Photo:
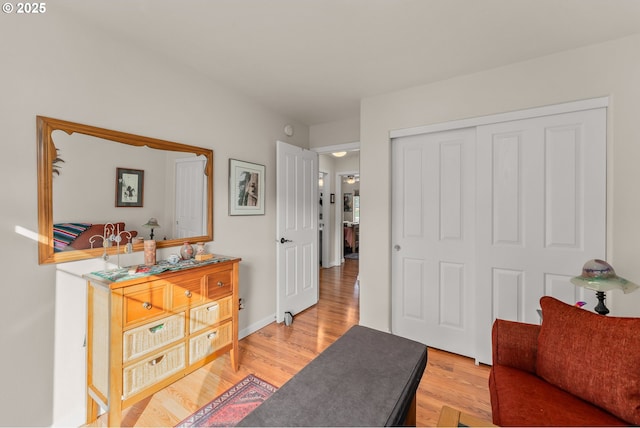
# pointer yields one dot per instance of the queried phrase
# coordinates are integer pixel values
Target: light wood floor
(277, 352)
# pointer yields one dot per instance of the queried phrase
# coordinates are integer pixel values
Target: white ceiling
(313, 60)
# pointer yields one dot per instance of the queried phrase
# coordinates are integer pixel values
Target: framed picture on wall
(129, 187)
(246, 188)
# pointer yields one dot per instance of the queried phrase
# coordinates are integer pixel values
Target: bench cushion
(365, 378)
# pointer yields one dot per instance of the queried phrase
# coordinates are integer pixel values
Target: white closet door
(433, 211)
(541, 214)
(487, 220)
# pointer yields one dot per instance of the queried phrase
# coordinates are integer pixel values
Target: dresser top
(119, 276)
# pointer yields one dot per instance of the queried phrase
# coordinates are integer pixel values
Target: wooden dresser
(147, 330)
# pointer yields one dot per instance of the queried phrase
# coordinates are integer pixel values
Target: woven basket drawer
(207, 343)
(207, 315)
(153, 369)
(151, 336)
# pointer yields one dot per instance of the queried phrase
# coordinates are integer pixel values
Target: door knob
(282, 240)
(396, 247)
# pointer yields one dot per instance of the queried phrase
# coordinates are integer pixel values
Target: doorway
(348, 192)
(334, 169)
(324, 219)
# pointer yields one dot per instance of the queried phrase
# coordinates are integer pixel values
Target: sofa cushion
(519, 398)
(594, 357)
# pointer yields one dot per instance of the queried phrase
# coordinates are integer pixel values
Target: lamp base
(600, 307)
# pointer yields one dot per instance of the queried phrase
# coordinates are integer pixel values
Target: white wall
(55, 66)
(85, 189)
(333, 133)
(608, 69)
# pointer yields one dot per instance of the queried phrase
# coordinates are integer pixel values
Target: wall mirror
(90, 176)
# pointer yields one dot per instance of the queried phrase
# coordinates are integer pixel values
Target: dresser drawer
(209, 342)
(187, 292)
(159, 366)
(151, 336)
(218, 284)
(207, 315)
(145, 301)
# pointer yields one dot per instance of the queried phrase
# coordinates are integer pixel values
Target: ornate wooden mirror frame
(46, 156)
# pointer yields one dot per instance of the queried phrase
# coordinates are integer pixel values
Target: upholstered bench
(365, 378)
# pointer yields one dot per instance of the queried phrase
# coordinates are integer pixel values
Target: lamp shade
(599, 275)
(152, 223)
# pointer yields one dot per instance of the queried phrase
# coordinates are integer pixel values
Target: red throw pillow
(594, 357)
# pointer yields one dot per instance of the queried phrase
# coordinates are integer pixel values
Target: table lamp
(599, 276)
(152, 223)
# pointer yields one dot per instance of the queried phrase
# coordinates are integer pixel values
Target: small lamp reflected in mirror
(599, 276)
(151, 224)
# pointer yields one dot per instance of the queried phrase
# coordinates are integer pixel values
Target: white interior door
(190, 197)
(297, 229)
(543, 215)
(433, 211)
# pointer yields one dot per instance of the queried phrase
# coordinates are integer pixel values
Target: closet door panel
(433, 207)
(541, 192)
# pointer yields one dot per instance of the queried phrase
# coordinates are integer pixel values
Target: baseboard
(331, 264)
(256, 326)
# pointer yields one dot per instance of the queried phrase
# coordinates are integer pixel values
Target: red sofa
(576, 369)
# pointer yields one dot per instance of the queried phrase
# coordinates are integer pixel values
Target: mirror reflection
(145, 186)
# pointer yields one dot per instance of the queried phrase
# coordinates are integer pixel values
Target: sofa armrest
(515, 344)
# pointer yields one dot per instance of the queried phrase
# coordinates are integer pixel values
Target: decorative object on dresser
(200, 248)
(150, 327)
(113, 236)
(186, 251)
(149, 252)
(246, 188)
(599, 276)
(84, 177)
(151, 224)
(201, 252)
